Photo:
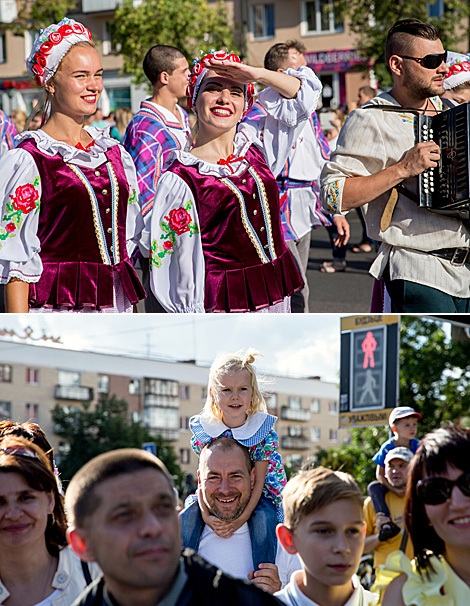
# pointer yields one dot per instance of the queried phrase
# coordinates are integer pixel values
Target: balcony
(73, 392)
(99, 6)
(151, 400)
(291, 414)
(295, 443)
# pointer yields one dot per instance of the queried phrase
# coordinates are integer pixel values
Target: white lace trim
(51, 147)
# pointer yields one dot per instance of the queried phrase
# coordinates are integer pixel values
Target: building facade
(161, 394)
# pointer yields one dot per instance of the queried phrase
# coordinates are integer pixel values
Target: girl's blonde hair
(231, 363)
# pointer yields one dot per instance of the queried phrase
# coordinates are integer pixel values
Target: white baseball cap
(401, 412)
(400, 452)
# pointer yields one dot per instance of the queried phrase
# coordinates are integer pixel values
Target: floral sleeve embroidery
(178, 221)
(24, 201)
(333, 198)
(132, 197)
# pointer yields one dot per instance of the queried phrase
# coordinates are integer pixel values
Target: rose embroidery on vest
(24, 201)
(178, 221)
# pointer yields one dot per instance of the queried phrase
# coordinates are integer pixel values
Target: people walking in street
(68, 194)
(216, 240)
(299, 179)
(160, 126)
(423, 256)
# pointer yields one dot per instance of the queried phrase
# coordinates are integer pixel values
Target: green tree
(190, 25)
(89, 432)
(434, 380)
(370, 20)
(39, 14)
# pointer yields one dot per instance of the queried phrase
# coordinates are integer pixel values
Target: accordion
(446, 189)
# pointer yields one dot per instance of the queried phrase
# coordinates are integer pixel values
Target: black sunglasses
(429, 61)
(435, 491)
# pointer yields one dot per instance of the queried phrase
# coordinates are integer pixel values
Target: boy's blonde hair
(313, 489)
(231, 363)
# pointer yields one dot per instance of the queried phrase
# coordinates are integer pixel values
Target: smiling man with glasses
(424, 258)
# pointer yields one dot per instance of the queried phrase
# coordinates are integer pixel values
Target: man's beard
(228, 516)
(419, 89)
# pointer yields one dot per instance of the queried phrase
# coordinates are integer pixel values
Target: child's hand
(220, 527)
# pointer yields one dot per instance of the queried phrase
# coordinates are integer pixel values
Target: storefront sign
(334, 60)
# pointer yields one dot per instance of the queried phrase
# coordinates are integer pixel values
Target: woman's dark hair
(444, 447)
(38, 473)
(32, 432)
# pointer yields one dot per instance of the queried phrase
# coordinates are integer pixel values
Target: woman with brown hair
(36, 566)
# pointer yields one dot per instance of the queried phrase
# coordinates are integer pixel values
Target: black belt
(456, 256)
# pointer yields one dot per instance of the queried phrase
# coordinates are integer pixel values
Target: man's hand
(343, 229)
(419, 158)
(267, 577)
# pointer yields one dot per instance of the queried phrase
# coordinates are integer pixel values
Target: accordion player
(446, 188)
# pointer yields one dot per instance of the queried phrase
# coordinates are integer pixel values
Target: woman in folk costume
(68, 193)
(216, 240)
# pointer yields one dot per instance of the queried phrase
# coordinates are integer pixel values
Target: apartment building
(331, 48)
(162, 394)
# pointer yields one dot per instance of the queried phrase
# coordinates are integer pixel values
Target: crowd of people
(120, 535)
(216, 213)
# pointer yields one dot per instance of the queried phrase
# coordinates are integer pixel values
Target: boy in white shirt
(324, 525)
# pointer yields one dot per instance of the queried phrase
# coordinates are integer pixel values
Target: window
(333, 407)
(271, 400)
(109, 47)
(294, 431)
(319, 17)
(315, 406)
(69, 379)
(262, 16)
(30, 36)
(204, 394)
(333, 435)
(161, 387)
(184, 392)
(294, 460)
(294, 402)
(3, 48)
(32, 376)
(32, 412)
(185, 456)
(315, 434)
(5, 373)
(134, 387)
(5, 410)
(436, 9)
(184, 422)
(103, 384)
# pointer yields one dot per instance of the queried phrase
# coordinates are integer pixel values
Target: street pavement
(341, 292)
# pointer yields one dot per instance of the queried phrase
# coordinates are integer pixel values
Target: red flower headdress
(459, 70)
(51, 46)
(199, 71)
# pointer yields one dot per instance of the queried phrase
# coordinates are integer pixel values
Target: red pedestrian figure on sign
(369, 345)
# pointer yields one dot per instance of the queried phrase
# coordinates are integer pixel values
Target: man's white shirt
(233, 556)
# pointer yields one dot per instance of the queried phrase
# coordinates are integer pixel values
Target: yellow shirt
(395, 505)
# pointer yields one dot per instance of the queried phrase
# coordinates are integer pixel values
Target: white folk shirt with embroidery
(370, 141)
(179, 283)
(19, 256)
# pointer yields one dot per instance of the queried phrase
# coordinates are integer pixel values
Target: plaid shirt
(150, 136)
(7, 133)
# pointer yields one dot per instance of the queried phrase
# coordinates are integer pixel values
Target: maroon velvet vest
(248, 265)
(78, 272)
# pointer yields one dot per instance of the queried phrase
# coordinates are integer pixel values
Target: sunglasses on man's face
(429, 61)
(435, 491)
